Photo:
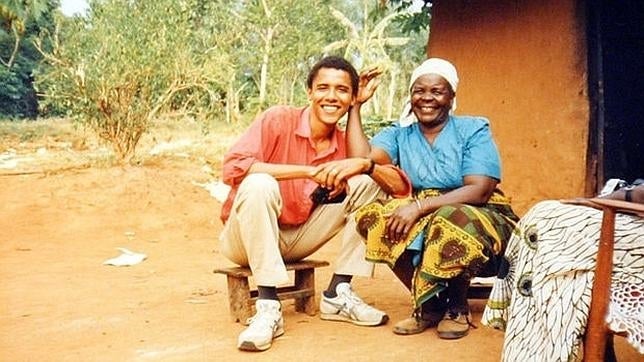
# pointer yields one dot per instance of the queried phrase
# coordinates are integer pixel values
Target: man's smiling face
(331, 95)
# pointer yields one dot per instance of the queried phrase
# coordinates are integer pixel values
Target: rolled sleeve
(387, 139)
(236, 167)
(481, 155)
(243, 154)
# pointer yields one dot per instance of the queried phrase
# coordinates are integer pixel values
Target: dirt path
(58, 302)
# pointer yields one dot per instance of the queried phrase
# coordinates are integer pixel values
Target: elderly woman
(456, 224)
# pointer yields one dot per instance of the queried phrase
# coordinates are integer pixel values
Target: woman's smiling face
(431, 99)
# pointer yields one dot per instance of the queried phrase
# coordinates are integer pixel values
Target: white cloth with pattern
(543, 301)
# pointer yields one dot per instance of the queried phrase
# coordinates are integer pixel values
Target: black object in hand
(321, 196)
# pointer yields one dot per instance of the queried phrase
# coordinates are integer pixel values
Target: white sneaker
(265, 325)
(348, 307)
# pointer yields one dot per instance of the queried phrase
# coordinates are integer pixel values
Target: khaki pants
(252, 236)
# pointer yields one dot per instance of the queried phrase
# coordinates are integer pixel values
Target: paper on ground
(127, 258)
(217, 189)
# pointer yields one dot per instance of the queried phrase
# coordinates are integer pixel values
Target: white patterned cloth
(543, 300)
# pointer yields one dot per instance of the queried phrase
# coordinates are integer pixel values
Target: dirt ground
(60, 303)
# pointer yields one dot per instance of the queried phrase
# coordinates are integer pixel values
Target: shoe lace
(262, 320)
(353, 300)
(454, 315)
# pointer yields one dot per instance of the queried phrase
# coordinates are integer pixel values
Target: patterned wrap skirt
(454, 240)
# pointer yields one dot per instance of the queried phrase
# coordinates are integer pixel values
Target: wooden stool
(480, 288)
(241, 299)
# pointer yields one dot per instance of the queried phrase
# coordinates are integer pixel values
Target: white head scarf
(430, 66)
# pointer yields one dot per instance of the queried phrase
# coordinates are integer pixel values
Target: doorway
(616, 91)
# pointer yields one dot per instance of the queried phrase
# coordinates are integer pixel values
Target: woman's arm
(476, 190)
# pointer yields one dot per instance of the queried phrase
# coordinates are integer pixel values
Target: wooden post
(596, 331)
(305, 280)
(239, 298)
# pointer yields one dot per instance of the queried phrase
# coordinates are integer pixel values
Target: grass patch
(60, 141)
(20, 133)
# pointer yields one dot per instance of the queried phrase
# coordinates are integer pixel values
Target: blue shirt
(463, 147)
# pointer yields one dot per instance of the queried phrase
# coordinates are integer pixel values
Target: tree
(14, 15)
(20, 23)
(411, 22)
(126, 62)
(281, 39)
(368, 45)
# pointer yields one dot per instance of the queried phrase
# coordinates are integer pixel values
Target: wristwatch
(372, 165)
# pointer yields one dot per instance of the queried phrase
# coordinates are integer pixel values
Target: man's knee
(362, 180)
(258, 183)
(364, 184)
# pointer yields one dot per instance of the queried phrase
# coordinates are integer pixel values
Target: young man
(270, 217)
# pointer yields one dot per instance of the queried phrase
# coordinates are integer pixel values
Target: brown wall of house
(522, 64)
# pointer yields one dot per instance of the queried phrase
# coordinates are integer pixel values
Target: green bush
(115, 70)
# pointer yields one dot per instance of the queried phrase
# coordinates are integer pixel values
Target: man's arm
(282, 171)
(247, 155)
(357, 142)
(636, 194)
(390, 178)
(362, 158)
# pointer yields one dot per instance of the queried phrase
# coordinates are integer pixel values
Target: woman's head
(431, 99)
(436, 66)
(432, 90)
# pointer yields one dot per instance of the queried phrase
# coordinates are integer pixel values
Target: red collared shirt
(282, 135)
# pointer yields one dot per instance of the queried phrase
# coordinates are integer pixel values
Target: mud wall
(523, 65)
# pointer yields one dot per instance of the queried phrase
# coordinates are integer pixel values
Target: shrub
(116, 69)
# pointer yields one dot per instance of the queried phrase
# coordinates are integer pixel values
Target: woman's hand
(400, 222)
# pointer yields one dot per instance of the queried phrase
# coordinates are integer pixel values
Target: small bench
(241, 299)
(480, 288)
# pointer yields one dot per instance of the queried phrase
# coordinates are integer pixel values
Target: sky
(71, 7)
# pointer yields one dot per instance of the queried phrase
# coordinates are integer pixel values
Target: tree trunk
(392, 92)
(263, 80)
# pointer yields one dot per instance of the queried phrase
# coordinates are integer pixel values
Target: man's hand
(334, 174)
(369, 82)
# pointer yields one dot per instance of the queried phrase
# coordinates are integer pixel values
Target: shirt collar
(304, 130)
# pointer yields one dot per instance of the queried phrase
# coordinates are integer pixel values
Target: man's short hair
(334, 62)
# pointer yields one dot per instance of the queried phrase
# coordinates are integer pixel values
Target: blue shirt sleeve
(387, 139)
(481, 156)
